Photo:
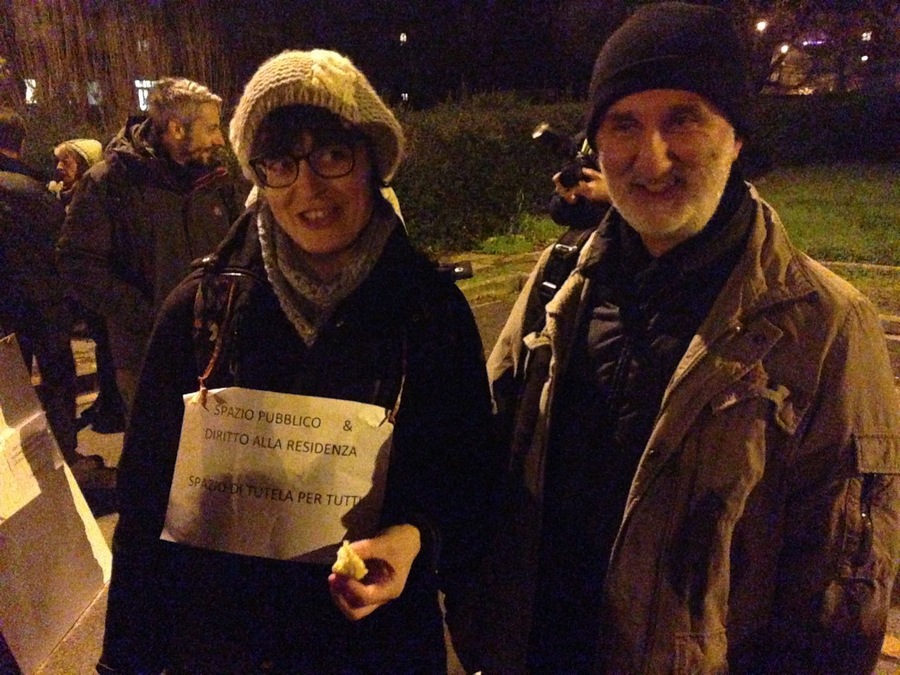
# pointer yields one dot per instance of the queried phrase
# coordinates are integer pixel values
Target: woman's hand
(389, 557)
(593, 187)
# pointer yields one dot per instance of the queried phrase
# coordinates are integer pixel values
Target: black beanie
(673, 45)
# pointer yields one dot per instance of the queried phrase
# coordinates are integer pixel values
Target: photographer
(581, 198)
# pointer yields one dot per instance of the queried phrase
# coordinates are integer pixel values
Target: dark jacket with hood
(170, 604)
(134, 225)
(32, 294)
(30, 220)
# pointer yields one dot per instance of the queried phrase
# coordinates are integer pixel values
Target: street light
(761, 26)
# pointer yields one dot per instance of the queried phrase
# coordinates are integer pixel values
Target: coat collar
(733, 339)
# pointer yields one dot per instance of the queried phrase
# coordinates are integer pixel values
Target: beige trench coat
(762, 529)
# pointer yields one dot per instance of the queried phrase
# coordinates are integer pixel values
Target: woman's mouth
(318, 218)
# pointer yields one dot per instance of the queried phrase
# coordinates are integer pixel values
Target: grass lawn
(847, 213)
(838, 214)
(846, 216)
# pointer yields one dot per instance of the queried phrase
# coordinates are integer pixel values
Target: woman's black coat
(179, 607)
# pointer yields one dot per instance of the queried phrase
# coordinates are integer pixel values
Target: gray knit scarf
(306, 300)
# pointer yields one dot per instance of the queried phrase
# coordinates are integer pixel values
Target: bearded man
(158, 200)
(702, 424)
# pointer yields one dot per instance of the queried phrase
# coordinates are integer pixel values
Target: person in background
(580, 196)
(703, 425)
(32, 294)
(159, 199)
(73, 158)
(107, 413)
(317, 291)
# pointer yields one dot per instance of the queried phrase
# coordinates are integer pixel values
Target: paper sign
(277, 475)
(19, 462)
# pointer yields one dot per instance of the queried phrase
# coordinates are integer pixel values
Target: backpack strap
(562, 261)
(220, 295)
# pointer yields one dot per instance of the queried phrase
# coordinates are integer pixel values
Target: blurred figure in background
(106, 415)
(32, 295)
(73, 159)
(159, 199)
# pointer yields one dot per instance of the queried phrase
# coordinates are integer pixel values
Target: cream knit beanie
(320, 78)
(88, 148)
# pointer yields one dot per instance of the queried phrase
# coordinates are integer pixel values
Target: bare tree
(71, 47)
(815, 46)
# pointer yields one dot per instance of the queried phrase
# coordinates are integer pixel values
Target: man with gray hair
(703, 431)
(158, 200)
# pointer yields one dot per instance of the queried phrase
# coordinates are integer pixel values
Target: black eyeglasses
(328, 161)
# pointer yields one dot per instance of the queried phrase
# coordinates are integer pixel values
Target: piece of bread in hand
(349, 563)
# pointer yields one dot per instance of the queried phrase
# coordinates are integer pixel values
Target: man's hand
(389, 557)
(593, 188)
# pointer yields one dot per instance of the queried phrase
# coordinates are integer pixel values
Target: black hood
(16, 166)
(137, 148)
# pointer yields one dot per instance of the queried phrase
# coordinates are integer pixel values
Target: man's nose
(654, 156)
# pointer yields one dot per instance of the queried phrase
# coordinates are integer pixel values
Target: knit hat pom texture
(320, 78)
(88, 148)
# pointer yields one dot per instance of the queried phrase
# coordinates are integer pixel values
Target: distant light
(94, 93)
(30, 91)
(761, 26)
(864, 58)
(143, 88)
(402, 38)
(404, 97)
(867, 36)
(785, 49)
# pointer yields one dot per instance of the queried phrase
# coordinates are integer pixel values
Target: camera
(574, 149)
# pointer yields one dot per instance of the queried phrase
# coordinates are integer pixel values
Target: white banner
(277, 475)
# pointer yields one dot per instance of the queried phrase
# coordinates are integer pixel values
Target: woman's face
(323, 216)
(67, 169)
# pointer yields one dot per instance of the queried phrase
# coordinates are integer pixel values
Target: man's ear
(176, 130)
(736, 150)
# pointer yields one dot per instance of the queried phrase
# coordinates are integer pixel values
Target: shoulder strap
(218, 301)
(562, 261)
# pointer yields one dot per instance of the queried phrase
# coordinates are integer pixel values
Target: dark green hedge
(827, 128)
(473, 168)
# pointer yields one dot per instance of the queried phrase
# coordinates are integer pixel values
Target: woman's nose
(307, 179)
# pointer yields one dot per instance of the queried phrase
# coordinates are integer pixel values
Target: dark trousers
(109, 400)
(47, 342)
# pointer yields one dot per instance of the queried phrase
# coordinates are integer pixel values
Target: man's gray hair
(177, 98)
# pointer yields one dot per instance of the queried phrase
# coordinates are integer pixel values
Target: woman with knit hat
(106, 415)
(315, 293)
(73, 158)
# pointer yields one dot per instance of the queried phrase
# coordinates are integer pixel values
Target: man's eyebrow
(619, 115)
(691, 107)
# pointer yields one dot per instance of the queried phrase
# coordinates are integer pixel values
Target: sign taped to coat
(277, 475)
